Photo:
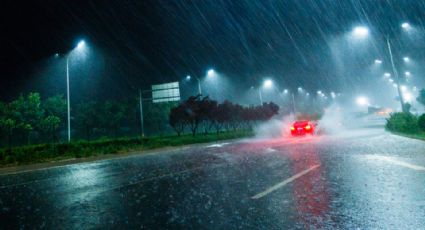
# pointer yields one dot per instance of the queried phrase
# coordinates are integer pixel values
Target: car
(299, 128)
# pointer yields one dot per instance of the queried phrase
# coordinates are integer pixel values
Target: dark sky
(136, 43)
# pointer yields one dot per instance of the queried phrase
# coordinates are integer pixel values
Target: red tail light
(308, 127)
(292, 128)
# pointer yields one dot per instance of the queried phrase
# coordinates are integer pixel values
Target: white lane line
(283, 183)
(397, 162)
(270, 150)
(217, 145)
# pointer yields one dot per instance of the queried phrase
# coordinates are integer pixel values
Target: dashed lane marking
(283, 183)
(393, 161)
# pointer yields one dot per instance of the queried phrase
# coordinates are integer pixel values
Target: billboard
(166, 92)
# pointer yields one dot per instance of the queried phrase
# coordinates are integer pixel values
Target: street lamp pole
(67, 98)
(188, 77)
(260, 95)
(396, 75)
(199, 85)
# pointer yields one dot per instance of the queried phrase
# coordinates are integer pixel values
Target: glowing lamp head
(362, 101)
(268, 83)
(210, 73)
(405, 25)
(360, 31)
(80, 44)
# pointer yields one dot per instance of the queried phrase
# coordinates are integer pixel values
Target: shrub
(79, 149)
(402, 122)
(421, 122)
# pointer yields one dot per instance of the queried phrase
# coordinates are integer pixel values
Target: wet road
(364, 179)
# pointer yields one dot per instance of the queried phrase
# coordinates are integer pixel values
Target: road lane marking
(270, 150)
(217, 145)
(283, 183)
(397, 162)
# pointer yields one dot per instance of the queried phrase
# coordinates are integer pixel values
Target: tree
(50, 124)
(87, 118)
(55, 106)
(113, 114)
(406, 107)
(157, 115)
(26, 114)
(402, 122)
(177, 119)
(210, 114)
(8, 122)
(421, 97)
(193, 113)
(421, 122)
(207, 111)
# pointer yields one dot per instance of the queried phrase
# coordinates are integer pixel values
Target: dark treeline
(31, 119)
(203, 113)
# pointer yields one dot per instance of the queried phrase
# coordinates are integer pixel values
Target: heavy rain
(212, 114)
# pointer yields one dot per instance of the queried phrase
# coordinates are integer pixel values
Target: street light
(80, 45)
(266, 84)
(188, 77)
(210, 73)
(377, 61)
(362, 101)
(405, 25)
(360, 31)
(406, 59)
(408, 96)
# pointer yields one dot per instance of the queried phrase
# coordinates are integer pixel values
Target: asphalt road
(359, 179)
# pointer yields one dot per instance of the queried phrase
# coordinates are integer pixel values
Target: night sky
(133, 44)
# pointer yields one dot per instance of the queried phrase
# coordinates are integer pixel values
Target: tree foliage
(87, 118)
(421, 97)
(421, 122)
(402, 122)
(197, 111)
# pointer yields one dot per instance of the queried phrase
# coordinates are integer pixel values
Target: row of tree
(31, 119)
(208, 114)
(29, 114)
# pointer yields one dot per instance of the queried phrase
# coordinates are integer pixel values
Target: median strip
(283, 183)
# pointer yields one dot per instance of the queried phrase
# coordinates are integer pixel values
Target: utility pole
(141, 113)
(261, 96)
(293, 102)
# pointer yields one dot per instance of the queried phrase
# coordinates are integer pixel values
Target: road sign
(166, 92)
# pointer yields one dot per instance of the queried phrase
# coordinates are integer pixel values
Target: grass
(419, 136)
(79, 149)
